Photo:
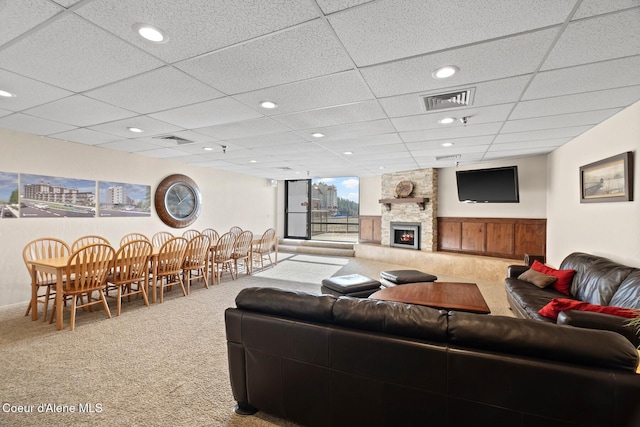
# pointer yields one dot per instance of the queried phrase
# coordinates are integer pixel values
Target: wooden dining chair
(196, 260)
(235, 230)
(88, 240)
(86, 272)
(159, 239)
(133, 236)
(222, 258)
(46, 247)
(130, 269)
(212, 235)
(242, 251)
(264, 248)
(169, 265)
(190, 234)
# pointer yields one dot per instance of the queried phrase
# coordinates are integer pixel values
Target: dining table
(54, 266)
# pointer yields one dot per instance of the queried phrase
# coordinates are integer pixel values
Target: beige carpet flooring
(165, 365)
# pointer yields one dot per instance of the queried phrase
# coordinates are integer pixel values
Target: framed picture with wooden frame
(607, 180)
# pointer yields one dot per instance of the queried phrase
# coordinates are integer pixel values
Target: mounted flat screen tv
(495, 185)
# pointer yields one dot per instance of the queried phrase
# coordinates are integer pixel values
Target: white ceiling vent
(450, 157)
(461, 98)
(177, 139)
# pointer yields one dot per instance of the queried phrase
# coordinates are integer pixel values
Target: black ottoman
(400, 277)
(352, 285)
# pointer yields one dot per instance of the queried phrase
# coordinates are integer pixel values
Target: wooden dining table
(52, 266)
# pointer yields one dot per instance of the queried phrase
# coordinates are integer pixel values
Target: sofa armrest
(513, 271)
(592, 320)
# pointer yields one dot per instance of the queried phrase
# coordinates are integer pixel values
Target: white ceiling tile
(334, 89)
(596, 7)
(299, 53)
(5, 112)
(331, 116)
(79, 110)
(457, 142)
(157, 90)
(104, 58)
(208, 113)
(34, 125)
(85, 136)
(148, 126)
(331, 6)
(296, 150)
(477, 63)
(449, 151)
(585, 78)
(67, 3)
(245, 128)
(408, 26)
(606, 37)
(29, 92)
(621, 97)
(559, 121)
(451, 132)
(194, 27)
(129, 145)
(18, 17)
(365, 141)
(270, 140)
(353, 130)
(494, 113)
(529, 145)
(569, 132)
(486, 93)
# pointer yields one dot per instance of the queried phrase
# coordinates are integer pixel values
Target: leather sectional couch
(597, 280)
(322, 360)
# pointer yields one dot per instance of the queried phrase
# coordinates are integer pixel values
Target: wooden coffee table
(446, 295)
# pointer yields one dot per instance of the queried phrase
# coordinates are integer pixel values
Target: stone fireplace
(408, 210)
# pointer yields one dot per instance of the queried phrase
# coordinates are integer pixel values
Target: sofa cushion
(557, 305)
(530, 298)
(563, 284)
(628, 293)
(542, 340)
(294, 304)
(536, 278)
(597, 279)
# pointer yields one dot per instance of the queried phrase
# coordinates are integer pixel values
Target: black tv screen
(495, 185)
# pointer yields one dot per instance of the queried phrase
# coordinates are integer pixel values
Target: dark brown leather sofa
(597, 280)
(321, 360)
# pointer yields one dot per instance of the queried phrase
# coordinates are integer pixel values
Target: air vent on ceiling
(177, 139)
(450, 157)
(461, 98)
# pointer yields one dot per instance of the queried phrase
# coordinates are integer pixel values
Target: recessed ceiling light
(381, 167)
(150, 33)
(447, 120)
(134, 130)
(317, 135)
(268, 105)
(6, 94)
(207, 148)
(447, 144)
(444, 72)
(348, 153)
(253, 161)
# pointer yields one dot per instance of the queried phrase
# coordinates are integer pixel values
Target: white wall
(608, 229)
(532, 180)
(370, 193)
(227, 199)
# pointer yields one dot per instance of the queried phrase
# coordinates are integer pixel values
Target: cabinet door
(474, 236)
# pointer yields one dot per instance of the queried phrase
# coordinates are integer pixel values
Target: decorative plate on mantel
(404, 189)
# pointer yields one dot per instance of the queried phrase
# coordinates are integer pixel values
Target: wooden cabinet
(495, 237)
(370, 229)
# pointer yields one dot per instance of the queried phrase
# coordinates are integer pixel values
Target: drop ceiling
(540, 73)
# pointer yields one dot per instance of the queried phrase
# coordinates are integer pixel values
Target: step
(316, 247)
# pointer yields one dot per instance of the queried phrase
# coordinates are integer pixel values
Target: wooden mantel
(421, 201)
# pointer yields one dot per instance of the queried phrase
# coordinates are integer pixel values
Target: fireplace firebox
(405, 235)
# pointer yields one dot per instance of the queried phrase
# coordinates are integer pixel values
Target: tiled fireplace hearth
(424, 185)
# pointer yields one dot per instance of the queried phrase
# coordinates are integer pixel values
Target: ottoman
(352, 285)
(400, 277)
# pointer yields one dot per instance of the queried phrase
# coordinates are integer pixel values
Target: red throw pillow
(563, 304)
(563, 284)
